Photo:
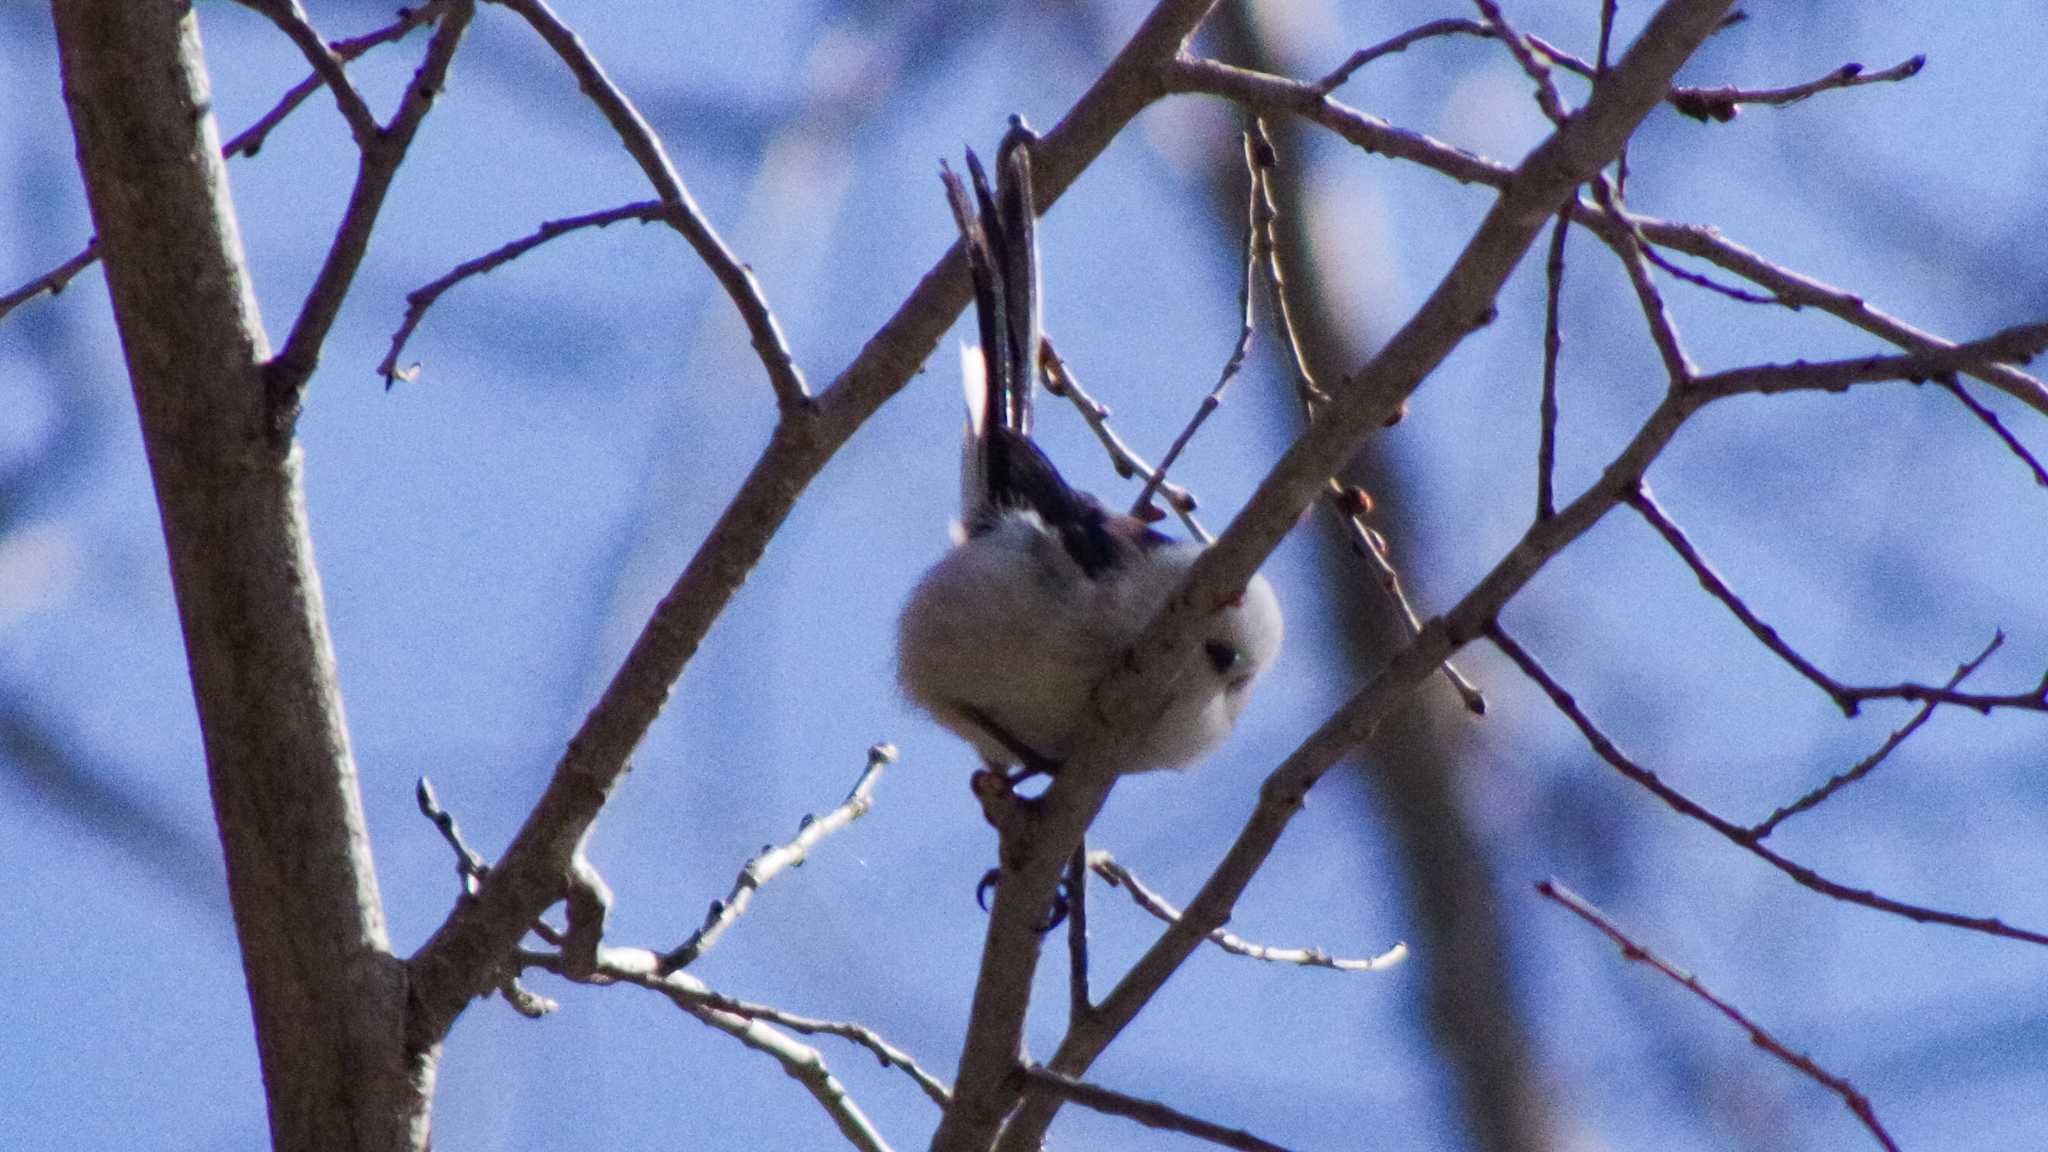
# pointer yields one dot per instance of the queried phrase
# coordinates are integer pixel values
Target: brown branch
(2015, 345)
(644, 145)
(1553, 344)
(1262, 92)
(1150, 1113)
(1351, 505)
(250, 139)
(52, 281)
(244, 143)
(291, 19)
(1118, 876)
(1450, 26)
(1462, 301)
(292, 368)
(772, 861)
(1238, 351)
(1859, 1104)
(1721, 104)
(1628, 243)
(1848, 698)
(757, 1026)
(470, 867)
(1736, 833)
(422, 298)
(1989, 419)
(1531, 64)
(1864, 766)
(456, 963)
(1060, 381)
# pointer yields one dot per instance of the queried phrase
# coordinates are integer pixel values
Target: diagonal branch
(1150, 1113)
(422, 298)
(1118, 876)
(644, 145)
(1685, 805)
(455, 964)
(291, 369)
(1461, 302)
(1572, 902)
(772, 861)
(291, 19)
(1864, 766)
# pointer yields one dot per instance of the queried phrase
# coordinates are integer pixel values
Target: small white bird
(1005, 638)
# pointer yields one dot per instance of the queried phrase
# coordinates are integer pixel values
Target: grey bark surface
(328, 999)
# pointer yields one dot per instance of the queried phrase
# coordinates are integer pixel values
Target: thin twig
(1450, 26)
(1080, 1001)
(772, 861)
(1572, 902)
(1990, 420)
(291, 19)
(1553, 344)
(1864, 766)
(1678, 801)
(1118, 876)
(244, 143)
(758, 1027)
(1150, 1113)
(1262, 92)
(1060, 381)
(52, 281)
(792, 394)
(1848, 698)
(1722, 104)
(1351, 505)
(1628, 243)
(1532, 65)
(470, 868)
(422, 298)
(1238, 351)
(289, 371)
(1701, 280)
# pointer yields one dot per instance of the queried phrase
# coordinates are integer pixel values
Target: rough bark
(327, 996)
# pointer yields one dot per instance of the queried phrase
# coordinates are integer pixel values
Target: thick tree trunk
(328, 997)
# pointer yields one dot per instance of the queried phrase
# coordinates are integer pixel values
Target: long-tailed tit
(1006, 637)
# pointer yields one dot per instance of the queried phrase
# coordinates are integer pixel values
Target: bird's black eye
(1222, 657)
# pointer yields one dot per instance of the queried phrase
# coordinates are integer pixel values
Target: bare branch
(1450, 26)
(1238, 351)
(1571, 901)
(1150, 1113)
(1864, 766)
(1989, 419)
(1080, 1001)
(1722, 104)
(759, 1028)
(250, 139)
(1352, 505)
(1848, 698)
(1553, 344)
(422, 298)
(52, 281)
(289, 371)
(2015, 345)
(1532, 65)
(1462, 301)
(291, 19)
(457, 962)
(470, 868)
(1686, 806)
(644, 145)
(772, 861)
(1262, 92)
(1629, 245)
(1118, 876)
(1060, 381)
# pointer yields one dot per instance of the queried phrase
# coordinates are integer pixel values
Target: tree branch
(1572, 902)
